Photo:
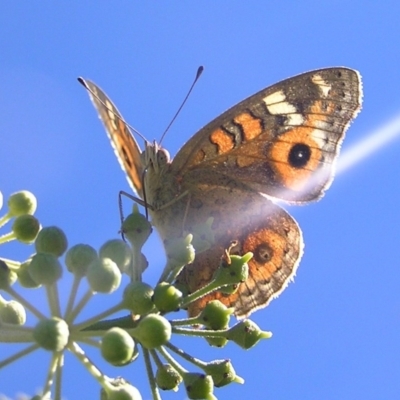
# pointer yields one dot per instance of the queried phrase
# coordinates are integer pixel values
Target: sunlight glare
(370, 144)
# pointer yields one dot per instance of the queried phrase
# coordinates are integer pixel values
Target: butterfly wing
(282, 141)
(125, 146)
(258, 226)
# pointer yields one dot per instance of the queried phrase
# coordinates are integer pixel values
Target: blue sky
(336, 328)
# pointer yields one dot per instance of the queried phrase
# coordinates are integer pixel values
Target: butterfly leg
(133, 198)
(173, 201)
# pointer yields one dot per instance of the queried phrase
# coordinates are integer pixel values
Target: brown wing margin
(125, 146)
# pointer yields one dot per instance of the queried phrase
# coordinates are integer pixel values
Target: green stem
(25, 303)
(186, 321)
(93, 370)
(13, 265)
(210, 287)
(15, 334)
(72, 295)
(4, 219)
(98, 317)
(7, 237)
(156, 358)
(19, 355)
(174, 274)
(136, 269)
(46, 393)
(53, 299)
(90, 342)
(186, 356)
(58, 383)
(150, 374)
(182, 371)
(170, 272)
(199, 332)
(102, 326)
(78, 308)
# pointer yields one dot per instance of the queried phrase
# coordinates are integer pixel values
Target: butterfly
(281, 144)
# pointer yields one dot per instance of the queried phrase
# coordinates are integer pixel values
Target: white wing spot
(295, 119)
(319, 136)
(276, 103)
(322, 84)
(276, 97)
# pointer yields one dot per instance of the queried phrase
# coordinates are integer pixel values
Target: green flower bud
(152, 331)
(26, 228)
(114, 382)
(7, 276)
(203, 236)
(222, 372)
(136, 228)
(233, 270)
(117, 346)
(180, 251)
(51, 240)
(122, 392)
(79, 257)
(229, 289)
(167, 297)
(168, 378)
(103, 275)
(137, 298)
(183, 288)
(118, 251)
(45, 269)
(51, 334)
(216, 315)
(217, 341)
(199, 386)
(21, 203)
(12, 312)
(143, 263)
(24, 277)
(247, 334)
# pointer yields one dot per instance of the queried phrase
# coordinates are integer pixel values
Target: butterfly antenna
(198, 74)
(83, 83)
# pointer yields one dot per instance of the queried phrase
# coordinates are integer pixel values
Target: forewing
(125, 146)
(282, 141)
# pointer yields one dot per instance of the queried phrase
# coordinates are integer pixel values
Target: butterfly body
(281, 143)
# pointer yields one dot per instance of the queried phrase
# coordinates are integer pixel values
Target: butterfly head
(157, 181)
(155, 157)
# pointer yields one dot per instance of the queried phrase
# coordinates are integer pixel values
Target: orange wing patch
(296, 176)
(223, 140)
(251, 126)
